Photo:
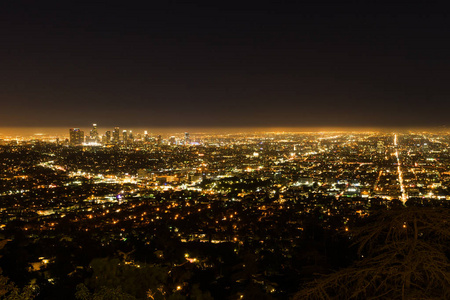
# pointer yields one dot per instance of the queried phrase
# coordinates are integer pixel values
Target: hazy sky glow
(188, 65)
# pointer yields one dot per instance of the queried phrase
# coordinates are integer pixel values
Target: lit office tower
(76, 136)
(125, 137)
(94, 133)
(107, 137)
(146, 137)
(130, 138)
(187, 138)
(116, 135)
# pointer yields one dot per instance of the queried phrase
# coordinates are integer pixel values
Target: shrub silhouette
(403, 255)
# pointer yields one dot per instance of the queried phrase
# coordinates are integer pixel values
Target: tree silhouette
(104, 293)
(402, 256)
(133, 280)
(8, 290)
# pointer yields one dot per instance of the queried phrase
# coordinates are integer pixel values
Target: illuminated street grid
(252, 191)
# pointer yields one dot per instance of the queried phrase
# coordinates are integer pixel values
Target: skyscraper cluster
(76, 136)
(121, 137)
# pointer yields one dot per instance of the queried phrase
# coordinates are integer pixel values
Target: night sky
(224, 63)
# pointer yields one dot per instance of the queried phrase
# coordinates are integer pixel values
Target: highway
(399, 171)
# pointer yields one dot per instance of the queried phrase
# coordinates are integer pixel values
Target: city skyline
(224, 150)
(63, 131)
(237, 215)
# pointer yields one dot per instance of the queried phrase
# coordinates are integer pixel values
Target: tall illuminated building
(187, 138)
(76, 136)
(130, 138)
(125, 137)
(107, 137)
(94, 133)
(116, 135)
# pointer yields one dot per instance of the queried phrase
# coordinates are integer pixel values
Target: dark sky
(221, 63)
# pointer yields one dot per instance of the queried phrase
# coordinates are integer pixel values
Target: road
(399, 171)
